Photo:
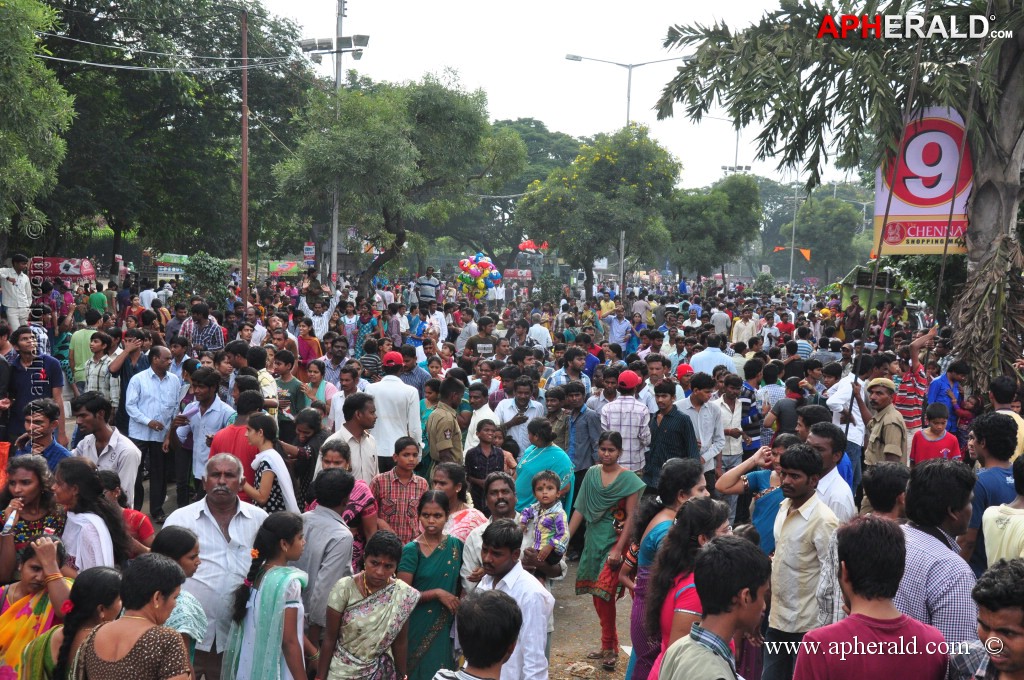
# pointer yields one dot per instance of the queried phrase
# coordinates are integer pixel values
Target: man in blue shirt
(151, 403)
(33, 376)
(946, 390)
(41, 419)
(993, 440)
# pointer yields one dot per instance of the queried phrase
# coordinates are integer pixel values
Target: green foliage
(822, 98)
(920, 274)
(619, 182)
(549, 288)
(401, 157)
(491, 227)
(158, 153)
(712, 228)
(827, 227)
(34, 111)
(207, 276)
(764, 284)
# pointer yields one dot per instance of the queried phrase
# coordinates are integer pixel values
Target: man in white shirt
(360, 414)
(830, 443)
(504, 572)
(103, 444)
(398, 410)
(226, 528)
(513, 414)
(481, 411)
(707, 424)
(540, 333)
(17, 291)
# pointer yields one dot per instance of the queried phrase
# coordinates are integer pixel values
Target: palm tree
(821, 99)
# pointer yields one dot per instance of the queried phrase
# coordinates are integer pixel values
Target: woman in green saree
(431, 565)
(366, 636)
(607, 499)
(95, 598)
(33, 604)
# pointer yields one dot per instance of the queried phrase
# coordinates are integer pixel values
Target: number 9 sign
(926, 173)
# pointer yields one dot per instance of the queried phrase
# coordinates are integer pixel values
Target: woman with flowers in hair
(267, 639)
(95, 598)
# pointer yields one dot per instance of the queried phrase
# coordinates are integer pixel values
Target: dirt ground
(577, 631)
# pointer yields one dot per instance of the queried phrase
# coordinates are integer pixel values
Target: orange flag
(806, 252)
(778, 248)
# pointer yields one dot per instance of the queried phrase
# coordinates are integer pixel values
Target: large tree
(619, 182)
(402, 157)
(712, 227)
(156, 153)
(34, 113)
(491, 227)
(823, 98)
(826, 227)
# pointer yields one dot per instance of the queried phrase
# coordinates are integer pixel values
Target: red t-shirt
(922, 448)
(786, 328)
(232, 440)
(874, 648)
(909, 399)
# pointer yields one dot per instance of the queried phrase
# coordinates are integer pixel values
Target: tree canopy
(34, 112)
(620, 182)
(403, 157)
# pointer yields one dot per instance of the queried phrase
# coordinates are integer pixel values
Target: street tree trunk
(393, 224)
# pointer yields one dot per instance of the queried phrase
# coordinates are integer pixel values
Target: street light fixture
(629, 68)
(733, 169)
(318, 47)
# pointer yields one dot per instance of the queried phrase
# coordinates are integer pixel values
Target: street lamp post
(317, 48)
(629, 71)
(629, 95)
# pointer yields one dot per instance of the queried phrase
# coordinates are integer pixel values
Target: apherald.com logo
(894, 26)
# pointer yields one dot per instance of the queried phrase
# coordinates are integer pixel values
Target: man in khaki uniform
(443, 433)
(887, 432)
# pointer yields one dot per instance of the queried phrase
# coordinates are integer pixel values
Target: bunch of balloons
(478, 275)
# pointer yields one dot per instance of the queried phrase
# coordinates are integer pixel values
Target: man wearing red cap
(398, 410)
(630, 418)
(684, 373)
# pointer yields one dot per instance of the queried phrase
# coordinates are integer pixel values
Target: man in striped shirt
(630, 418)
(913, 388)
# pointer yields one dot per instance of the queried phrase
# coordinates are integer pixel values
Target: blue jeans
(856, 454)
(779, 665)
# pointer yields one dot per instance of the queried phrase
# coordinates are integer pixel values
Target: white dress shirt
(707, 425)
(541, 335)
(321, 322)
(17, 294)
(528, 661)
(225, 563)
(119, 455)
(838, 398)
(507, 410)
(151, 398)
(398, 413)
(364, 453)
(836, 494)
(483, 413)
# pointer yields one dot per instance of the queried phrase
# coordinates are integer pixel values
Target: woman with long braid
(267, 639)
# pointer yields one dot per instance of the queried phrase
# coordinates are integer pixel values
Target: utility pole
(622, 261)
(337, 91)
(792, 242)
(245, 156)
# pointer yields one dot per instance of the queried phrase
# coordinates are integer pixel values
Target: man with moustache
(226, 528)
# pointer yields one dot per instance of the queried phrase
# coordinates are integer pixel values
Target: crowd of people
(389, 487)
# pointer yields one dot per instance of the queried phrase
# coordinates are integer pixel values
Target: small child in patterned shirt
(370, 361)
(546, 520)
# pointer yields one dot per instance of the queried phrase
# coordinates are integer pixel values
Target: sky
(515, 52)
